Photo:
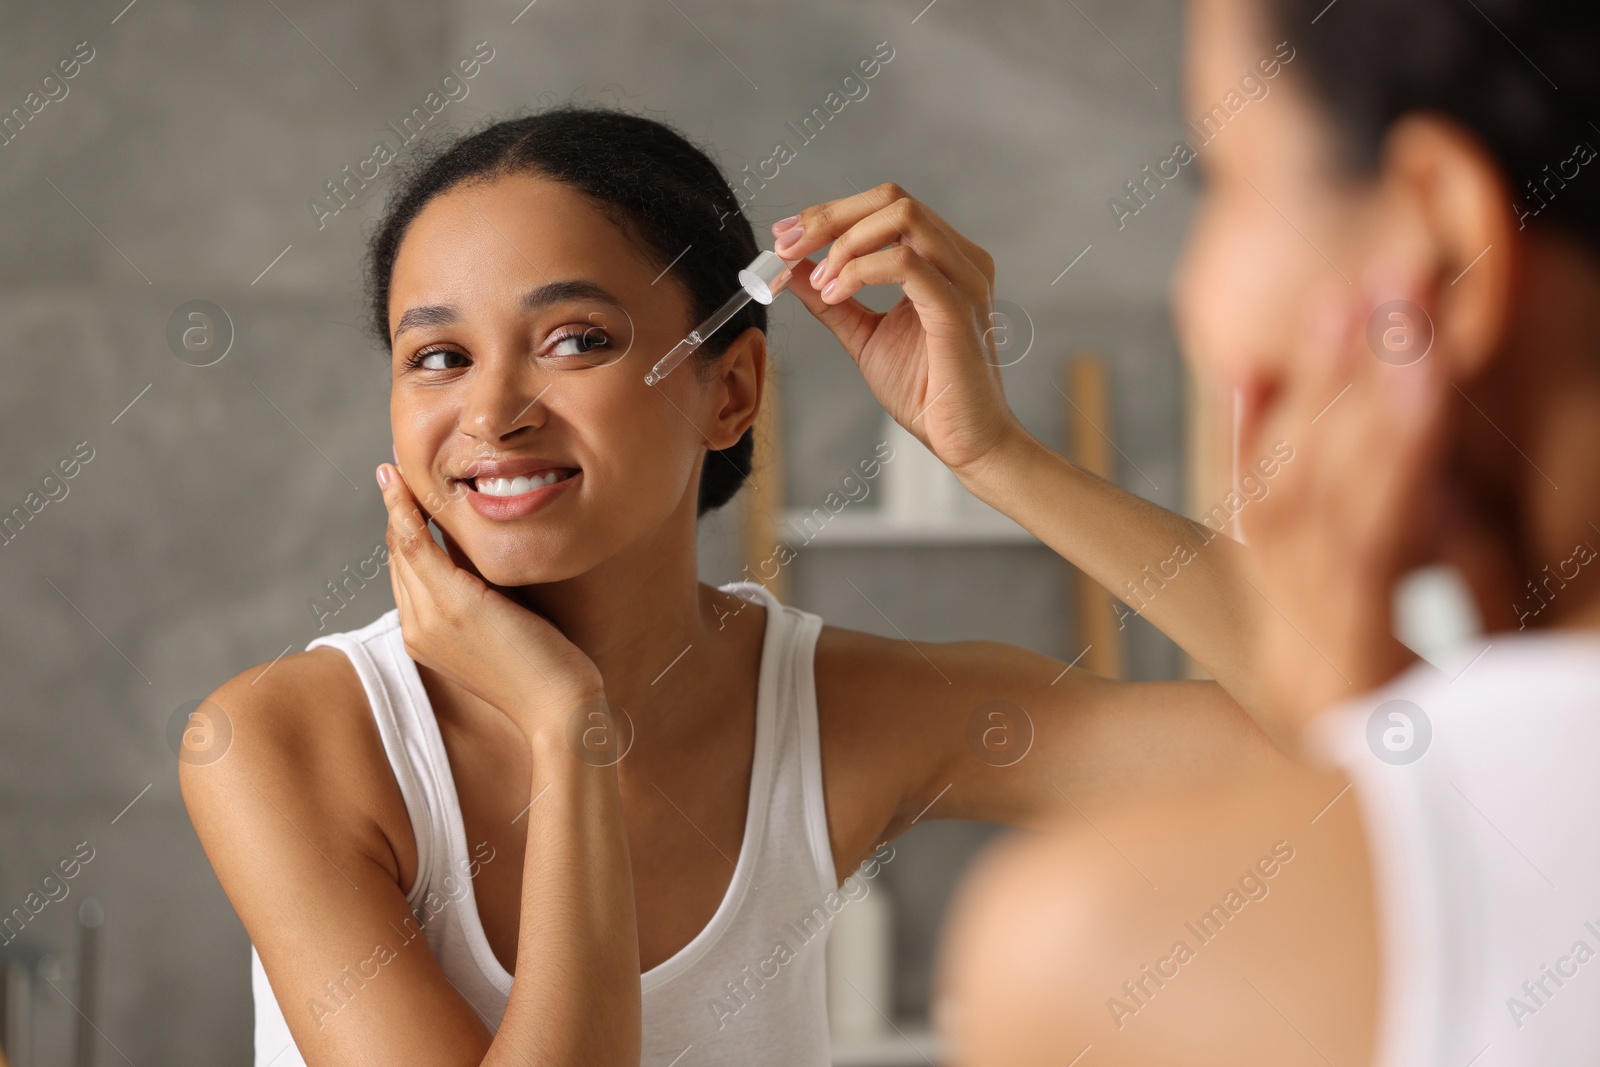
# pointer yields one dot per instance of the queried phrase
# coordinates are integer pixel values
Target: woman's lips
(504, 508)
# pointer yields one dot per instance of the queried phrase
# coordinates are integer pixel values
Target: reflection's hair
(665, 193)
(1371, 61)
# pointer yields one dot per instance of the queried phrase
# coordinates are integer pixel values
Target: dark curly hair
(664, 192)
(1522, 76)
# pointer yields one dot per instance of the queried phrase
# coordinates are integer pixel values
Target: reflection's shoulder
(1119, 899)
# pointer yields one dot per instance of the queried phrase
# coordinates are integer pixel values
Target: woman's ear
(738, 378)
(1453, 198)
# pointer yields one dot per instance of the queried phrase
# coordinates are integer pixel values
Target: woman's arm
(288, 818)
(935, 708)
(927, 361)
(575, 999)
(293, 828)
(990, 732)
(1187, 579)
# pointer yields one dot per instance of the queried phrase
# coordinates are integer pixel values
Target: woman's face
(522, 322)
(1271, 226)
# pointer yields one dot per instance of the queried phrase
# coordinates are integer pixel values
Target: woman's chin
(519, 570)
(511, 561)
(513, 576)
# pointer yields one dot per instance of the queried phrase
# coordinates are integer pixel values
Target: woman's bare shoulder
(870, 664)
(294, 701)
(864, 682)
(299, 733)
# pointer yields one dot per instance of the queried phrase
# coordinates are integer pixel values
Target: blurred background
(196, 155)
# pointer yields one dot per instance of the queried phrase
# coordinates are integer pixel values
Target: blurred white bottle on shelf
(861, 965)
(918, 489)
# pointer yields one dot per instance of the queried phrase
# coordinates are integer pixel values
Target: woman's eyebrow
(533, 300)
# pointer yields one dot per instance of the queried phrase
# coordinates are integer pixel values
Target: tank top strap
(795, 727)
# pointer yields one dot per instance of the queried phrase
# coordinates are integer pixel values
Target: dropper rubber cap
(765, 277)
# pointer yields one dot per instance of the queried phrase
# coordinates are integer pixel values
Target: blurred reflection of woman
(1397, 260)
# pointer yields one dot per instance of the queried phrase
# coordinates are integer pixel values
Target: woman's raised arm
(926, 361)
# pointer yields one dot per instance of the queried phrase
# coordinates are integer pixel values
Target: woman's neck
(658, 636)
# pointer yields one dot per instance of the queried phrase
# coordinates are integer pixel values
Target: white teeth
(515, 486)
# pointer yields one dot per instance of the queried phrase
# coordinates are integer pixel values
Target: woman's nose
(499, 403)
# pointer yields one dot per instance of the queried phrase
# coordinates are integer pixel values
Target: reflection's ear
(739, 376)
(1457, 223)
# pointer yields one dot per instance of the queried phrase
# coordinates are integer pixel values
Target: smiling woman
(670, 777)
(652, 194)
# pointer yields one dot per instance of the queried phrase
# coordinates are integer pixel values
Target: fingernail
(383, 476)
(817, 274)
(394, 453)
(790, 236)
(784, 224)
(826, 289)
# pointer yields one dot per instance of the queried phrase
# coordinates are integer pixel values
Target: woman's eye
(590, 346)
(432, 359)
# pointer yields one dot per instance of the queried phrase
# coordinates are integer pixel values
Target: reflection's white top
(727, 997)
(1486, 851)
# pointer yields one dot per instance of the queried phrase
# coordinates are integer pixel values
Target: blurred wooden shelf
(914, 1046)
(871, 528)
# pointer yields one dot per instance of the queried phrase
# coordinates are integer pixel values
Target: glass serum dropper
(765, 277)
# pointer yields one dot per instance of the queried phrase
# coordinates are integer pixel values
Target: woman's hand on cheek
(1340, 521)
(926, 360)
(455, 623)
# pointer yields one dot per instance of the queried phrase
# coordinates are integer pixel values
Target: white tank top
(1483, 817)
(750, 987)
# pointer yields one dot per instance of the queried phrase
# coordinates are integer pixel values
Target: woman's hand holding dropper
(926, 359)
